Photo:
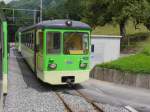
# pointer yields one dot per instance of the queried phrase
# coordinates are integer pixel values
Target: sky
(6, 1)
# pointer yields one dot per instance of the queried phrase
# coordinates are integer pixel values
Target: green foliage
(96, 13)
(74, 9)
(2, 4)
(138, 63)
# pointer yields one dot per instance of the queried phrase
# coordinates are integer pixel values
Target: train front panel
(63, 56)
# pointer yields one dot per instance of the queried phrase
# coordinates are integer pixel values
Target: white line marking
(131, 109)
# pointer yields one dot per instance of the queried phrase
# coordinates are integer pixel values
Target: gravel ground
(26, 94)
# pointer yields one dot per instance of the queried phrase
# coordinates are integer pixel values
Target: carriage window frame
(60, 52)
(74, 31)
(39, 43)
(31, 41)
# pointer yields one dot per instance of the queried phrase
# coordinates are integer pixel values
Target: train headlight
(52, 66)
(83, 65)
(69, 23)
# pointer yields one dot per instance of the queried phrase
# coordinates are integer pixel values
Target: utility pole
(41, 8)
(13, 15)
(34, 16)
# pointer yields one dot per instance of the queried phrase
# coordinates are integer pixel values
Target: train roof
(58, 24)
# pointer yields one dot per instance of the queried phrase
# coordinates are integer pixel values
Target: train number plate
(69, 62)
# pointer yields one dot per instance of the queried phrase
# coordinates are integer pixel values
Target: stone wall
(119, 77)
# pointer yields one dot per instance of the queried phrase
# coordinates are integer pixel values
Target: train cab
(61, 51)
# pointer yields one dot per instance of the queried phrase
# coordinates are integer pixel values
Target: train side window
(53, 42)
(24, 39)
(40, 35)
(28, 40)
(32, 41)
(92, 48)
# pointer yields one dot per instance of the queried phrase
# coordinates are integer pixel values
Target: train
(57, 51)
(3, 53)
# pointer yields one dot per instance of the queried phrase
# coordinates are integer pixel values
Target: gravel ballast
(76, 103)
(26, 93)
(110, 108)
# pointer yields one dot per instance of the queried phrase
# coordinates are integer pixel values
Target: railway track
(128, 108)
(79, 94)
(97, 108)
(67, 107)
(94, 104)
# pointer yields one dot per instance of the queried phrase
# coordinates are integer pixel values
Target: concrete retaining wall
(137, 80)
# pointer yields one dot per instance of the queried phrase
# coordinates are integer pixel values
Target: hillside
(114, 29)
(33, 4)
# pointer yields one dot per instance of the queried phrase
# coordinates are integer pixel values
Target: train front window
(76, 43)
(53, 43)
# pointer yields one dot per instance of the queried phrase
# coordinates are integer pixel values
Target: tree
(101, 12)
(74, 9)
(146, 15)
(95, 13)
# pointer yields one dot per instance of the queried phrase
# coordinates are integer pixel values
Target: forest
(94, 12)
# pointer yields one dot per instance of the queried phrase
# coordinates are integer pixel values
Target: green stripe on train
(5, 48)
(5, 57)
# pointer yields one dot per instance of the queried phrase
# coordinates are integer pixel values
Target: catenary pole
(41, 8)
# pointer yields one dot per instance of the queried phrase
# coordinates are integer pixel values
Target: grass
(106, 30)
(138, 63)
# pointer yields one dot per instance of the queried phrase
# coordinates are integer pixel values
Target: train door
(39, 51)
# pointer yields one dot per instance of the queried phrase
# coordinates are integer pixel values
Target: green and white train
(58, 51)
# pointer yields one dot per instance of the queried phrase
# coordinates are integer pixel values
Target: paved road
(119, 95)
